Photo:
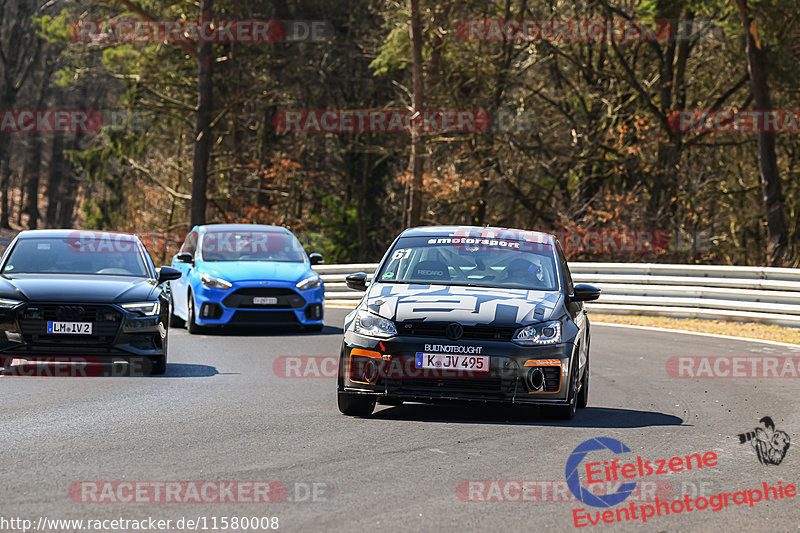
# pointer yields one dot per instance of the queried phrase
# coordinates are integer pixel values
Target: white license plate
(473, 363)
(265, 300)
(70, 328)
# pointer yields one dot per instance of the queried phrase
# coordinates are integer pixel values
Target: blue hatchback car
(245, 275)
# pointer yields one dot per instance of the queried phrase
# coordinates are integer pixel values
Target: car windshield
(112, 255)
(474, 261)
(251, 246)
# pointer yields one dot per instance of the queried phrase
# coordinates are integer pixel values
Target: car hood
(465, 305)
(257, 270)
(76, 288)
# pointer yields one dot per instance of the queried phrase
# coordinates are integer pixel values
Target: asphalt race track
(222, 414)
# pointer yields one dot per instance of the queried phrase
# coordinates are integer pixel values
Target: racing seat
(431, 271)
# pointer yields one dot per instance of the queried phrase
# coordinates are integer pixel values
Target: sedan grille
(105, 319)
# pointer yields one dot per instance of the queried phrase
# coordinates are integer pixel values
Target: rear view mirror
(583, 292)
(166, 273)
(357, 281)
(184, 257)
(316, 259)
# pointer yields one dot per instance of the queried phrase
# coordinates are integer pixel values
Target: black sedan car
(468, 314)
(67, 293)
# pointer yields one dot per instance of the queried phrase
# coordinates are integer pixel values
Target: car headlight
(372, 325)
(538, 334)
(215, 283)
(309, 283)
(8, 304)
(145, 308)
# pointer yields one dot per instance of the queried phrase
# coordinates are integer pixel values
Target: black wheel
(356, 404)
(158, 365)
(191, 325)
(174, 320)
(583, 394)
(567, 412)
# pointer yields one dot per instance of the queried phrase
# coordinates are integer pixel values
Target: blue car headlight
(539, 334)
(311, 282)
(215, 283)
(372, 325)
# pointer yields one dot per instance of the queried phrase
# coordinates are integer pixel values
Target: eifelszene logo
(769, 443)
(574, 480)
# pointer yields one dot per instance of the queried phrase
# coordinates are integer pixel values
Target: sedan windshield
(81, 255)
(251, 246)
(471, 261)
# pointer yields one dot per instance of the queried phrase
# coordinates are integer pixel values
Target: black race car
(88, 294)
(458, 313)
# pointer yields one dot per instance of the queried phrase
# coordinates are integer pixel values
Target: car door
(180, 287)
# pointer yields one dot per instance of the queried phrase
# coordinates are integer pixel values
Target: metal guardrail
(745, 294)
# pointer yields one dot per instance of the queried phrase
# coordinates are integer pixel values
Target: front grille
(437, 329)
(264, 317)
(33, 318)
(243, 298)
(489, 387)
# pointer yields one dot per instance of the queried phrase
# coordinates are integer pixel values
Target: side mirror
(357, 281)
(166, 273)
(184, 257)
(316, 259)
(583, 292)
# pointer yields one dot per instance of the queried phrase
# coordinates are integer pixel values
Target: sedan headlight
(538, 334)
(372, 325)
(8, 304)
(309, 283)
(215, 283)
(145, 308)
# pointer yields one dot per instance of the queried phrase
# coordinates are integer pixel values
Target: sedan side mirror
(583, 292)
(184, 257)
(166, 273)
(316, 259)
(357, 281)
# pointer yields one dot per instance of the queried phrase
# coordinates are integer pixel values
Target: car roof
(488, 231)
(56, 233)
(239, 227)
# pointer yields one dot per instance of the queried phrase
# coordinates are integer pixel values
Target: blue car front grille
(243, 298)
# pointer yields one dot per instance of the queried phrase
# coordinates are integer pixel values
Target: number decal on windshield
(402, 253)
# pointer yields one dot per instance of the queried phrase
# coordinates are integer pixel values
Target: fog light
(370, 371)
(536, 379)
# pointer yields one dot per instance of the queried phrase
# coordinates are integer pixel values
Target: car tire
(174, 320)
(356, 404)
(583, 395)
(191, 326)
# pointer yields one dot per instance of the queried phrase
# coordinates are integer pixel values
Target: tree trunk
(55, 178)
(417, 146)
(202, 132)
(777, 234)
(33, 171)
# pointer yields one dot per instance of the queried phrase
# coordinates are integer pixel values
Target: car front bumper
(389, 368)
(234, 306)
